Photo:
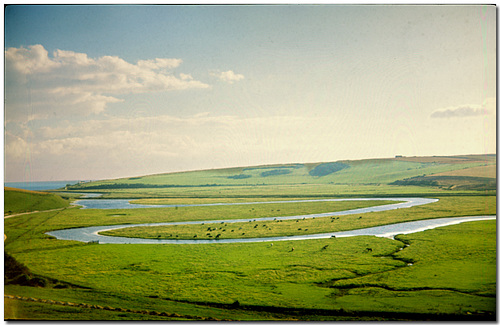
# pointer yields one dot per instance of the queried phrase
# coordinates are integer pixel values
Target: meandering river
(87, 234)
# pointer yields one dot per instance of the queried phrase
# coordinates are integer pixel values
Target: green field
(20, 201)
(447, 273)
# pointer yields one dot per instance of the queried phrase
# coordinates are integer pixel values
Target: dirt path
(20, 214)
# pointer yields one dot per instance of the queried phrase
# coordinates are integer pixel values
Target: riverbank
(94, 234)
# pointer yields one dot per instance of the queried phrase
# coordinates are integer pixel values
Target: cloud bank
(69, 83)
(487, 108)
(118, 147)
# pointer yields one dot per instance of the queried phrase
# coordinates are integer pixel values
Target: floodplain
(447, 273)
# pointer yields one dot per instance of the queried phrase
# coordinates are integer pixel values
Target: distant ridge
(365, 171)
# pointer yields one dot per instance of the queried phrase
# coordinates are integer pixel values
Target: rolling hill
(20, 201)
(469, 171)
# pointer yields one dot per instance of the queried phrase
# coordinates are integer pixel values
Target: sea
(39, 186)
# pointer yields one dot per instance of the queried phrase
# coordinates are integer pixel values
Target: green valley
(446, 273)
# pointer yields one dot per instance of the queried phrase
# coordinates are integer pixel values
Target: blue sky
(97, 92)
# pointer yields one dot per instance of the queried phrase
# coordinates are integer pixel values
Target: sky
(109, 91)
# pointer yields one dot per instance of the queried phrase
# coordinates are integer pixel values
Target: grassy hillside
(349, 172)
(19, 201)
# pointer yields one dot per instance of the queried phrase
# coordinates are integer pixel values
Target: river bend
(88, 234)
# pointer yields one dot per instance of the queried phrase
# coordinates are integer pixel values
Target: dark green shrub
(38, 282)
(241, 176)
(22, 279)
(327, 169)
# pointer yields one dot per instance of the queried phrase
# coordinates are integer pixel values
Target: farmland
(430, 275)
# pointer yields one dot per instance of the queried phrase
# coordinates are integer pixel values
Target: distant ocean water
(39, 186)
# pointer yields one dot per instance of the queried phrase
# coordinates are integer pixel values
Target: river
(88, 234)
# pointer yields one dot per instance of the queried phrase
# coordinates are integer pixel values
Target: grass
(282, 192)
(445, 207)
(258, 274)
(375, 171)
(452, 276)
(118, 307)
(256, 228)
(458, 275)
(488, 171)
(20, 201)
(20, 228)
(255, 274)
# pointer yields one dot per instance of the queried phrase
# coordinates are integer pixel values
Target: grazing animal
(218, 235)
(369, 249)
(292, 249)
(324, 247)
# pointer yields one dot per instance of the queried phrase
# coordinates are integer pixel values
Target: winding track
(88, 234)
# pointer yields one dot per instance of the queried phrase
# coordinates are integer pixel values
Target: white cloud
(185, 76)
(71, 83)
(228, 76)
(33, 59)
(159, 63)
(487, 108)
(16, 148)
